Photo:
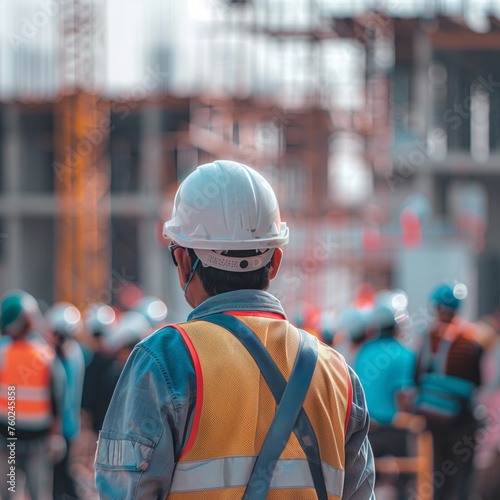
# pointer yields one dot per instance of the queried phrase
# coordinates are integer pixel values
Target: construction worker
(64, 321)
(99, 320)
(236, 402)
(353, 333)
(448, 372)
(386, 370)
(131, 328)
(487, 453)
(32, 387)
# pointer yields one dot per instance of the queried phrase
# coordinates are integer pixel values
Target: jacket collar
(239, 300)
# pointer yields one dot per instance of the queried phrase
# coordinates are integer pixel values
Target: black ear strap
(290, 416)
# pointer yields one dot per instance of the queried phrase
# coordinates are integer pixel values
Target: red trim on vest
(349, 398)
(199, 390)
(260, 314)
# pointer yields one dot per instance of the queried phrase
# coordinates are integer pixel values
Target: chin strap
(191, 276)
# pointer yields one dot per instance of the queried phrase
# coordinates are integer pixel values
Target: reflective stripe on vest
(25, 393)
(32, 420)
(26, 366)
(213, 474)
(237, 408)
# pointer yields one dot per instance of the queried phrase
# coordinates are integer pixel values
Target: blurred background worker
(386, 369)
(448, 372)
(64, 321)
(131, 328)
(30, 366)
(100, 321)
(353, 332)
(486, 483)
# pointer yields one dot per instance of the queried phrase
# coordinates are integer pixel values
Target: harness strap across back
(290, 415)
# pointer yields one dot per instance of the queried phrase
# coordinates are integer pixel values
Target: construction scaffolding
(334, 110)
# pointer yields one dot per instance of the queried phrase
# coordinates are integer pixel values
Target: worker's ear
(184, 265)
(275, 263)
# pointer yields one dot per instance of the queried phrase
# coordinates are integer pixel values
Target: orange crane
(82, 171)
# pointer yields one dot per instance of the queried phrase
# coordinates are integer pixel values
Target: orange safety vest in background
(235, 408)
(26, 366)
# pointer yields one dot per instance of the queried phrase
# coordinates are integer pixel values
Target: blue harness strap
(299, 382)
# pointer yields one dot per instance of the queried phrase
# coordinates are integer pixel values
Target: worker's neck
(196, 294)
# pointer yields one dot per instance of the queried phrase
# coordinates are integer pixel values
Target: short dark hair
(216, 281)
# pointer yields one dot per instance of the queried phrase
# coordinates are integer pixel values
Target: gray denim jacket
(150, 415)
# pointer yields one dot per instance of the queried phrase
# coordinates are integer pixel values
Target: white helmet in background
(64, 319)
(131, 329)
(223, 206)
(153, 309)
(99, 320)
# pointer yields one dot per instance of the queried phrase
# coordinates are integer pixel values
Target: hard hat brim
(226, 244)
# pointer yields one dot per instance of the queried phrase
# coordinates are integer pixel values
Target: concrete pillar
(11, 235)
(152, 267)
(420, 112)
(11, 150)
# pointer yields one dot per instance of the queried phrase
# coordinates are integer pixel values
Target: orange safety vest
(25, 385)
(235, 408)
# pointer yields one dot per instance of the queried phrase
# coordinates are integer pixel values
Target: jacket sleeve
(359, 464)
(135, 453)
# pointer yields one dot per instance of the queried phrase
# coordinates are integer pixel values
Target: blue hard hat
(17, 309)
(444, 296)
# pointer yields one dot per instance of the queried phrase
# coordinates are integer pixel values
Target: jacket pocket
(115, 452)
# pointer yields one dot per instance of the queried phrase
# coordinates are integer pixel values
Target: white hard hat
(132, 328)
(222, 206)
(99, 319)
(153, 309)
(64, 318)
